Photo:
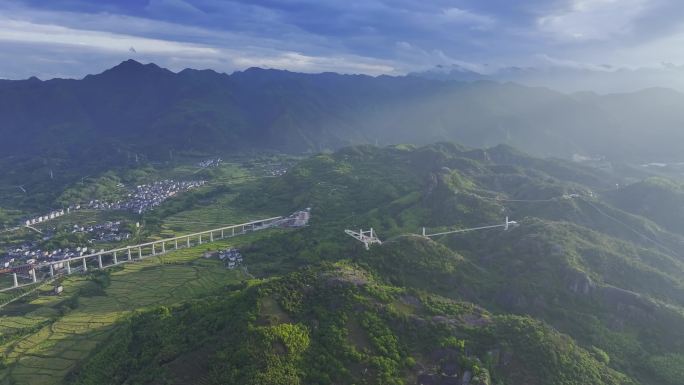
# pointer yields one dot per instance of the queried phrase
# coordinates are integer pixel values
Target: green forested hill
(339, 324)
(583, 291)
(658, 199)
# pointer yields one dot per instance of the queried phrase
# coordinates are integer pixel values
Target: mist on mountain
(136, 107)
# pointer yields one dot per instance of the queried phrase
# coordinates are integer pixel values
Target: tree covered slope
(339, 324)
(583, 291)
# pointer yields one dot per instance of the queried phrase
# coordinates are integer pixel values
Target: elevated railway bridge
(45, 271)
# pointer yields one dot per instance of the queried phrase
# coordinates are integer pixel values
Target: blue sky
(71, 38)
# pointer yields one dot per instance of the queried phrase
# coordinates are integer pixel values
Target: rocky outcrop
(625, 300)
(579, 282)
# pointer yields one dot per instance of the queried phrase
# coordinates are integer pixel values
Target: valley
(586, 287)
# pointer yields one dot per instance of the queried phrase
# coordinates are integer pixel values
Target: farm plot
(46, 355)
(218, 213)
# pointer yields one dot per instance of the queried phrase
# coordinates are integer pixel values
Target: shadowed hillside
(136, 108)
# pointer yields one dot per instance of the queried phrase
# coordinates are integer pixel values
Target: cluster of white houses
(209, 163)
(147, 196)
(231, 257)
(143, 198)
(104, 232)
(44, 218)
(27, 255)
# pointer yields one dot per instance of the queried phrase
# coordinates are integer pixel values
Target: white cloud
(652, 52)
(462, 16)
(585, 20)
(418, 59)
(68, 37)
(18, 31)
(573, 64)
(304, 63)
(365, 36)
(173, 6)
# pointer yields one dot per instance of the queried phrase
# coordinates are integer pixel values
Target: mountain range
(142, 109)
(567, 76)
(578, 292)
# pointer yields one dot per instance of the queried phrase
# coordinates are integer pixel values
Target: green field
(47, 336)
(221, 212)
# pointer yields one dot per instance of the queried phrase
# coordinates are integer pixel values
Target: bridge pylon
(367, 237)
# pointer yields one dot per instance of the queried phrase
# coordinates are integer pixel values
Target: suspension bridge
(47, 271)
(370, 237)
(506, 225)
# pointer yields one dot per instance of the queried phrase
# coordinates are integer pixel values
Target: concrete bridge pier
(200, 239)
(163, 247)
(52, 270)
(116, 261)
(211, 236)
(129, 254)
(99, 261)
(153, 250)
(68, 264)
(233, 234)
(188, 241)
(16, 282)
(32, 273)
(176, 243)
(85, 265)
(140, 252)
(222, 236)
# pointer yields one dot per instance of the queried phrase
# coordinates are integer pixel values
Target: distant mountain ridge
(144, 108)
(568, 76)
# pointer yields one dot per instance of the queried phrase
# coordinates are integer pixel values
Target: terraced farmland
(42, 340)
(220, 212)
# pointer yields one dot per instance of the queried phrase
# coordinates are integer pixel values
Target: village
(143, 198)
(28, 254)
(32, 252)
(147, 196)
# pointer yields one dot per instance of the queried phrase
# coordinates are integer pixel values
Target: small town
(147, 196)
(141, 199)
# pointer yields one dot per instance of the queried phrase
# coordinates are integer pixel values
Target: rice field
(42, 340)
(221, 211)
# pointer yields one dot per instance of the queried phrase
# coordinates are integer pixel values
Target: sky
(72, 38)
